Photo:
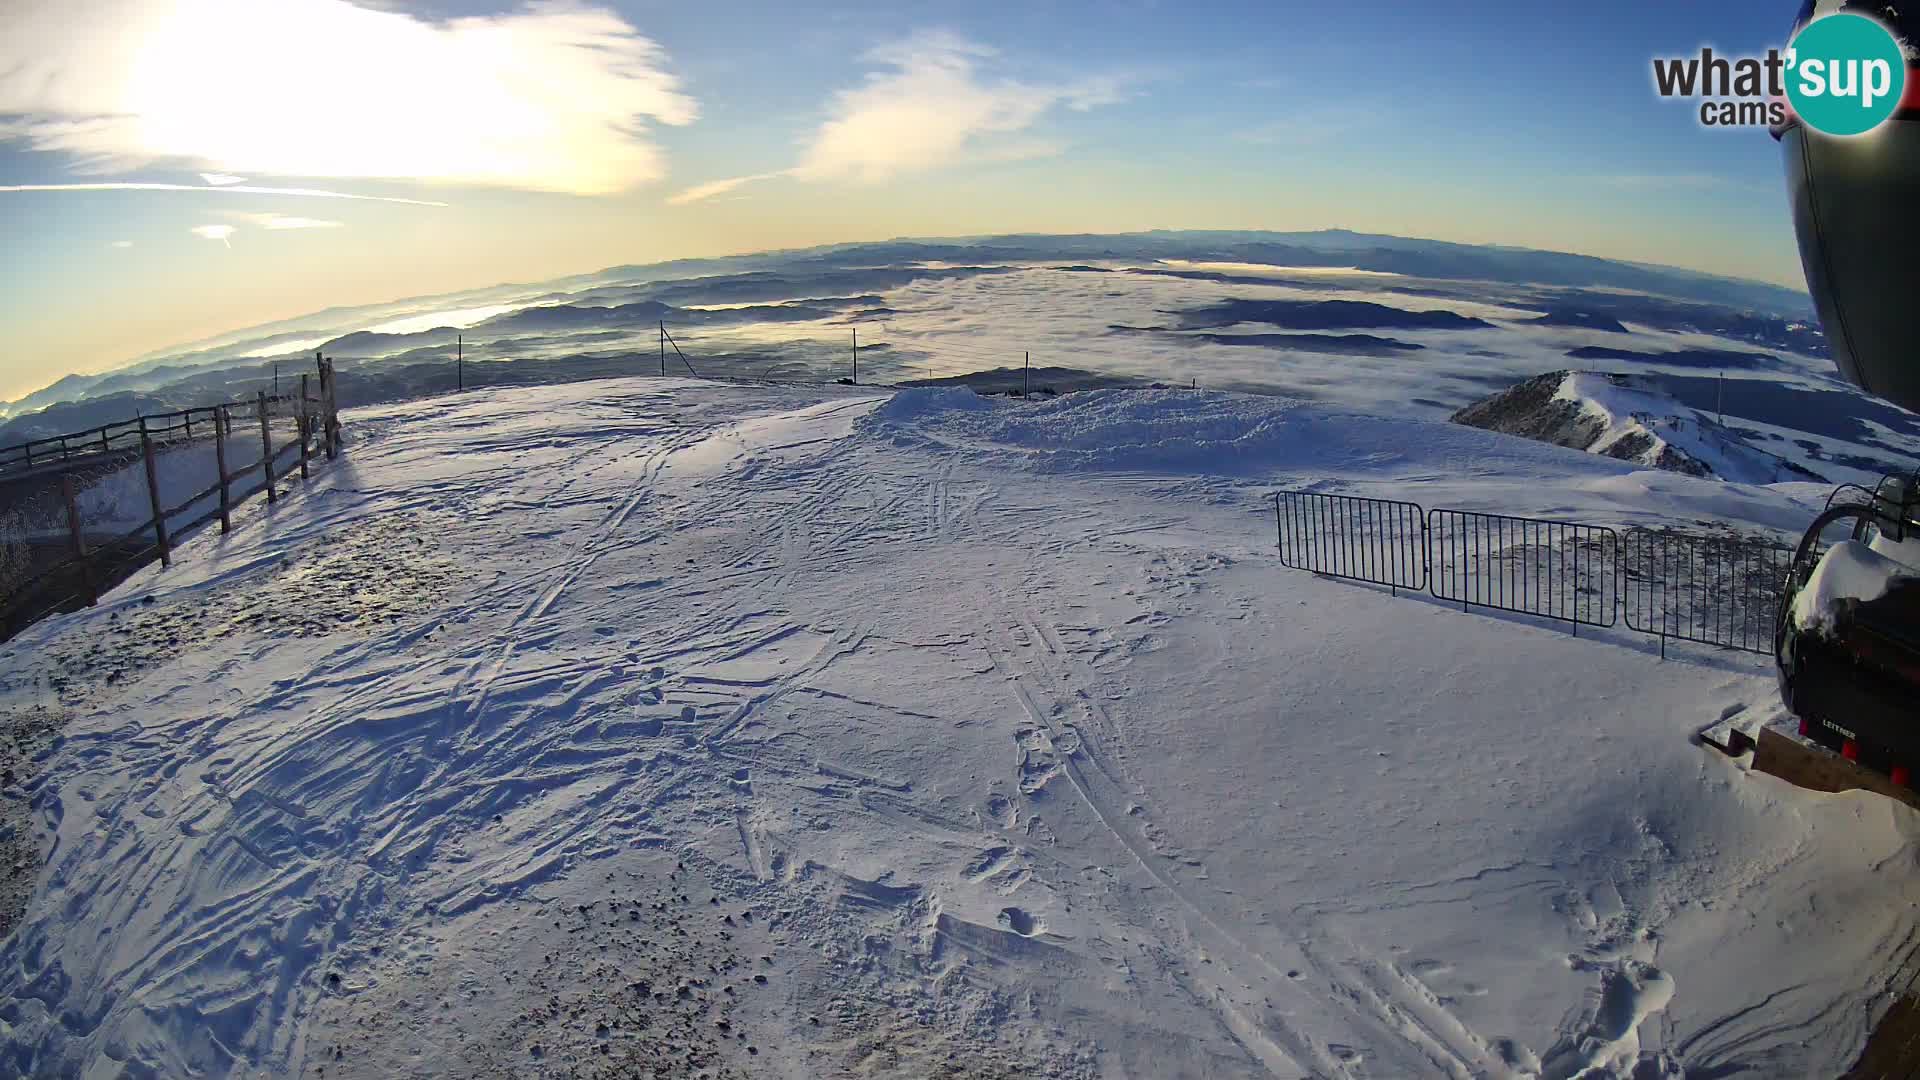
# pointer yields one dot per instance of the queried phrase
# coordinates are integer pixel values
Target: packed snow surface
(656, 725)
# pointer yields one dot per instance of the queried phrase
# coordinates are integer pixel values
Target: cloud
(231, 189)
(122, 243)
(927, 107)
(711, 188)
(930, 108)
(222, 179)
(554, 96)
(277, 222)
(221, 233)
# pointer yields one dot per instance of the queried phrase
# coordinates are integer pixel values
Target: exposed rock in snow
(1629, 418)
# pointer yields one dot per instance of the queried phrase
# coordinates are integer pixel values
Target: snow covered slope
(789, 733)
(1628, 418)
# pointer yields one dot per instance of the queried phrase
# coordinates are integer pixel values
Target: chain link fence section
(1379, 541)
(1713, 590)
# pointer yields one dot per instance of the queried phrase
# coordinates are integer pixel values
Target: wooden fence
(91, 568)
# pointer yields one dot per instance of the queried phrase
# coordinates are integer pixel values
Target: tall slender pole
(276, 380)
(1720, 400)
(221, 423)
(663, 348)
(459, 362)
(856, 356)
(1026, 377)
(153, 497)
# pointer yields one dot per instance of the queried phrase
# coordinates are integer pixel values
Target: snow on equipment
(1847, 635)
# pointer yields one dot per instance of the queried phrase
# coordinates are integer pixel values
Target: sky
(294, 155)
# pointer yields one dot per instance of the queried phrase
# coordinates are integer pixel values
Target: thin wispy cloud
(231, 189)
(554, 96)
(712, 188)
(928, 106)
(280, 222)
(222, 233)
(122, 244)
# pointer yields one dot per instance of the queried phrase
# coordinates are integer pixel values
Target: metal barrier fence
(1713, 590)
(1345, 536)
(1553, 569)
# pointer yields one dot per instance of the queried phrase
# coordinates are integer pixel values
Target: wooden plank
(153, 494)
(266, 447)
(221, 421)
(305, 421)
(1816, 769)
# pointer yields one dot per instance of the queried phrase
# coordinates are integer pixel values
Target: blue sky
(566, 137)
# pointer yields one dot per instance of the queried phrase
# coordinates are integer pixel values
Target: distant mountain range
(1183, 306)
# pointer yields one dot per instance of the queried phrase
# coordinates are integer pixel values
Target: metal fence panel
(1346, 536)
(1554, 569)
(1715, 590)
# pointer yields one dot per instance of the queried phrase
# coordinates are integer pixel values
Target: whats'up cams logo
(1843, 74)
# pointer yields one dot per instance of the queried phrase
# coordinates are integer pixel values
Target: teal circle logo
(1845, 74)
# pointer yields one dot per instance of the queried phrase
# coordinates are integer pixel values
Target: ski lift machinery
(1847, 635)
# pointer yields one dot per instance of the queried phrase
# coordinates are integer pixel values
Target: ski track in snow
(980, 742)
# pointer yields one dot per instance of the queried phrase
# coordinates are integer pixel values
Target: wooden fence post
(266, 447)
(153, 496)
(306, 421)
(326, 419)
(79, 539)
(332, 393)
(221, 422)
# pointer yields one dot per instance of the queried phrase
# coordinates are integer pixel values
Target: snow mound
(917, 403)
(1850, 570)
(1630, 419)
(1217, 433)
(1114, 429)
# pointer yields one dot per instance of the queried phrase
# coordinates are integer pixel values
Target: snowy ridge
(1630, 419)
(810, 733)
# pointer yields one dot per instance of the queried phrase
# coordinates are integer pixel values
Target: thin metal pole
(856, 356)
(459, 362)
(663, 348)
(1026, 377)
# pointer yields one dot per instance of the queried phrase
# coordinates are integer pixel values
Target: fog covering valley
(1374, 323)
